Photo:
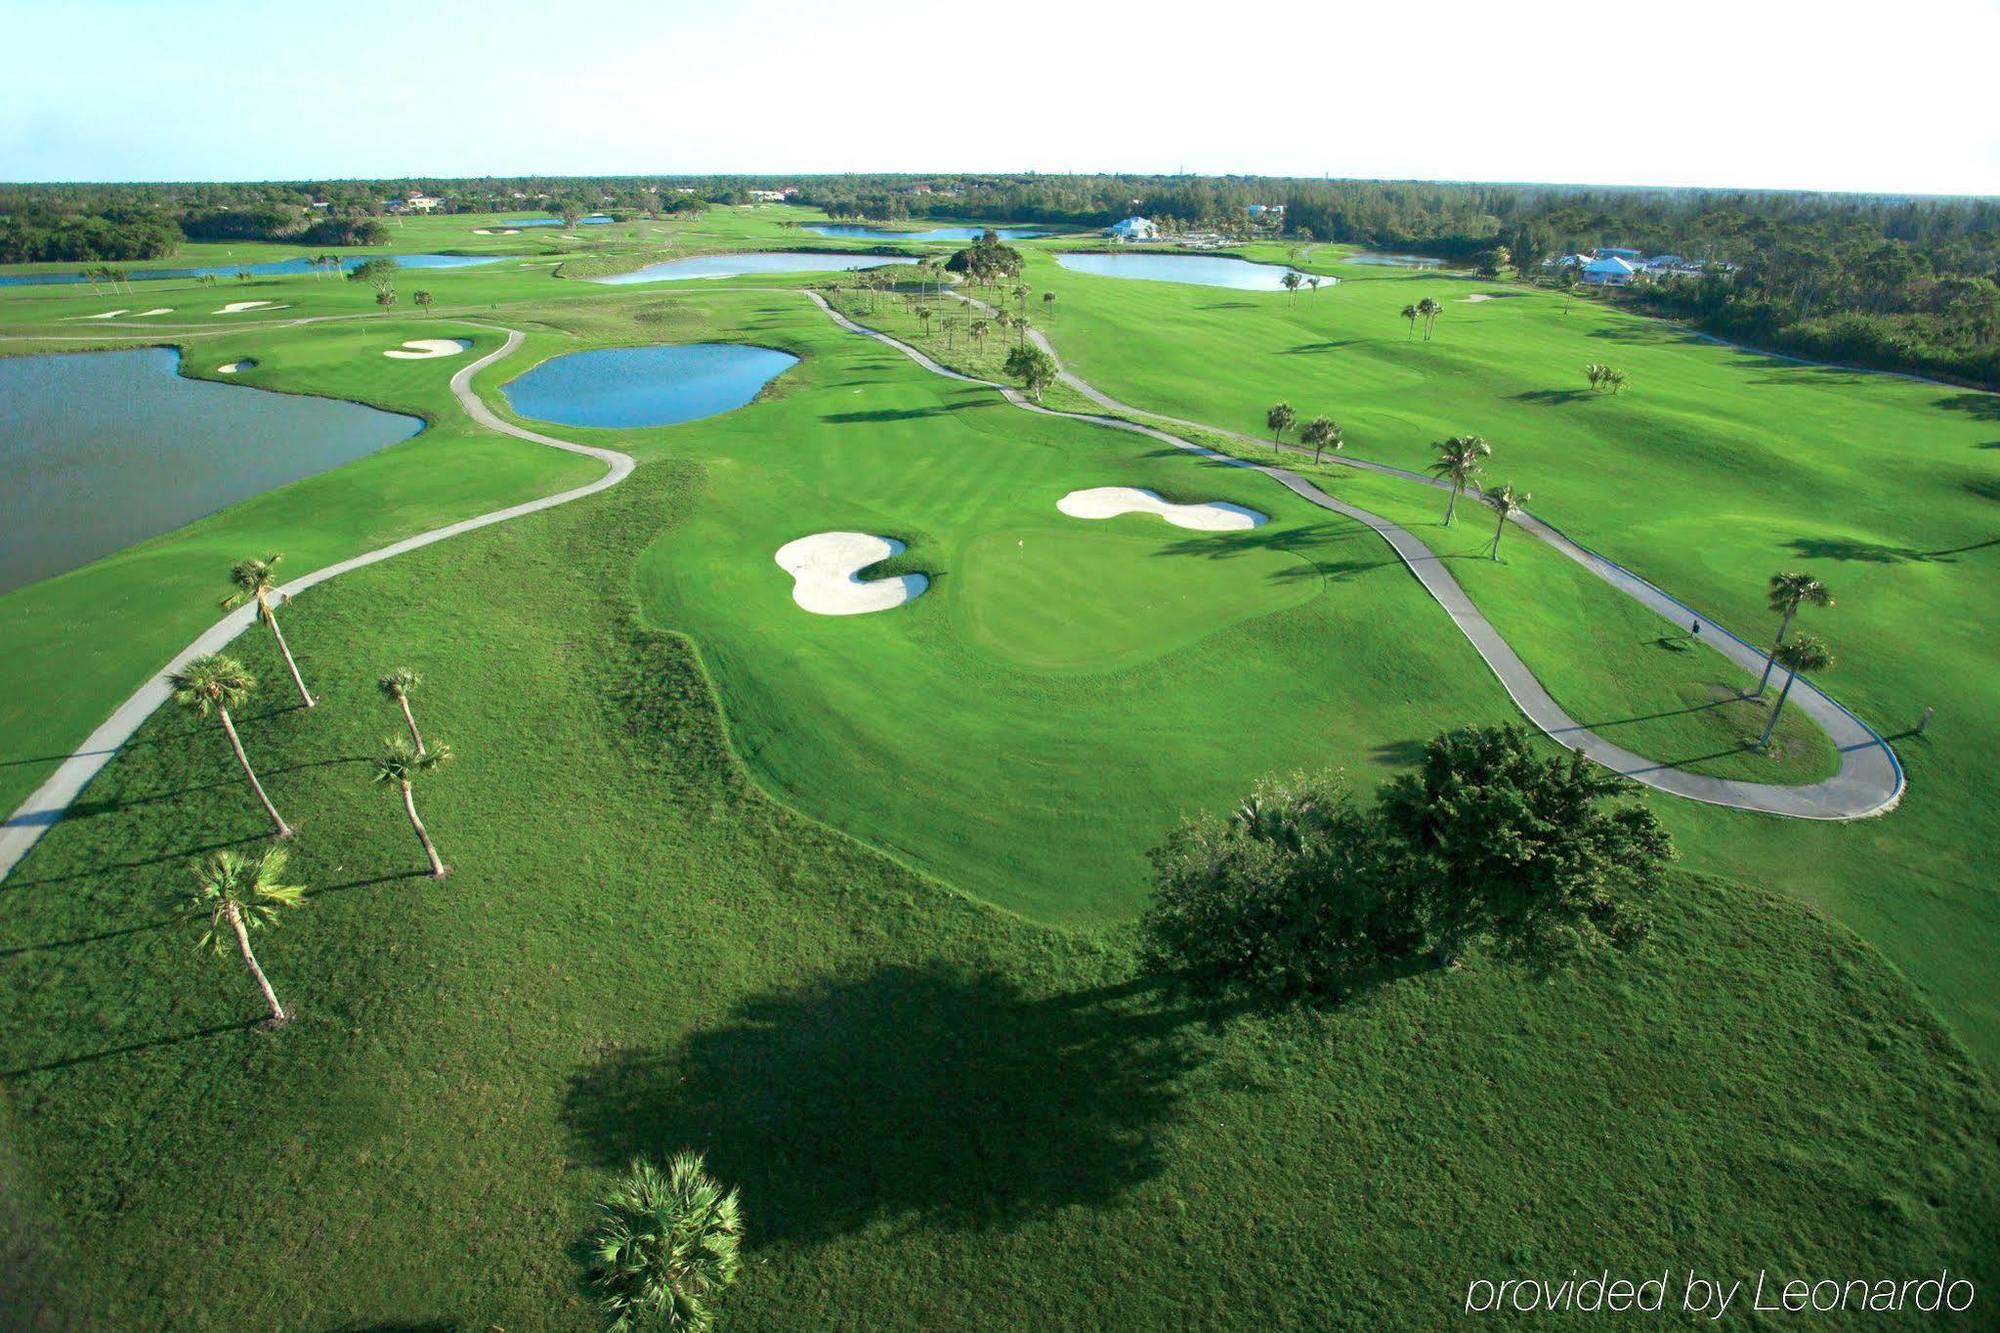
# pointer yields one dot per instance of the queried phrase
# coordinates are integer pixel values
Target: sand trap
(423, 349)
(109, 314)
(156, 310)
(234, 367)
(823, 569)
(238, 307)
(1111, 501)
(1475, 298)
(496, 231)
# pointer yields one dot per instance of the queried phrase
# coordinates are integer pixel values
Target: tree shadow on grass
(1551, 397)
(911, 1093)
(1981, 406)
(891, 414)
(1845, 548)
(133, 1047)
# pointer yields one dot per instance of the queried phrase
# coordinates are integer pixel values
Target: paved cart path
(1869, 781)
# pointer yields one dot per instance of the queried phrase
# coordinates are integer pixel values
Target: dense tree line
(44, 236)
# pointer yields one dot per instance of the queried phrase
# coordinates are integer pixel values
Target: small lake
(1393, 261)
(645, 386)
(855, 231)
(594, 220)
(273, 267)
(736, 266)
(1201, 270)
(99, 450)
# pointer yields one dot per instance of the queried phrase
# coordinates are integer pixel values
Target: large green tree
(1032, 366)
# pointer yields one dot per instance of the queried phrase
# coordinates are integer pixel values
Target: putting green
(1052, 598)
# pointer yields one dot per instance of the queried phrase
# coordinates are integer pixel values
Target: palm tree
(950, 325)
(978, 332)
(1021, 298)
(89, 275)
(1049, 305)
(1458, 463)
(385, 295)
(256, 580)
(239, 895)
(1322, 433)
(397, 685)
(1595, 373)
(924, 317)
(1616, 379)
(666, 1245)
(1506, 502)
(1314, 284)
(1430, 310)
(1279, 420)
(1787, 593)
(1410, 313)
(1805, 653)
(1291, 280)
(400, 764)
(1568, 278)
(423, 299)
(216, 684)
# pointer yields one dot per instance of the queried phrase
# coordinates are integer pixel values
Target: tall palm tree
(400, 764)
(1458, 462)
(239, 895)
(213, 685)
(257, 580)
(1049, 304)
(397, 685)
(1430, 310)
(1322, 433)
(1805, 653)
(1787, 593)
(666, 1246)
(1278, 420)
(1291, 280)
(1504, 501)
(924, 314)
(1410, 313)
(978, 332)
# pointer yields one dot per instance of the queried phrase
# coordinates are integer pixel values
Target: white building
(1134, 229)
(1608, 271)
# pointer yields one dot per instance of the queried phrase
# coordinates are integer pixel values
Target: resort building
(1608, 270)
(1134, 229)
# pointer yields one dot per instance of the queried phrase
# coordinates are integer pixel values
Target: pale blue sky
(1699, 92)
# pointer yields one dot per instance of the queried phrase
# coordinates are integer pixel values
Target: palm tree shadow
(1552, 397)
(909, 1093)
(129, 1048)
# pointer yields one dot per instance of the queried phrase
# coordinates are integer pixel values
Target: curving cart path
(1869, 781)
(46, 805)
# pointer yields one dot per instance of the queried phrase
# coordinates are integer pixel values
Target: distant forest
(1890, 282)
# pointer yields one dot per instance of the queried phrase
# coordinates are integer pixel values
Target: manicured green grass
(939, 1114)
(1713, 470)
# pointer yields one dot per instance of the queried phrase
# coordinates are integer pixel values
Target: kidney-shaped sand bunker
(824, 569)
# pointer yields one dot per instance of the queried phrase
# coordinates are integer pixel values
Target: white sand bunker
(1475, 298)
(496, 231)
(423, 349)
(109, 314)
(236, 367)
(1111, 501)
(156, 310)
(238, 307)
(824, 568)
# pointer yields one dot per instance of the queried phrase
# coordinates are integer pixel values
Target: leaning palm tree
(239, 895)
(397, 685)
(1278, 420)
(1322, 433)
(1430, 310)
(1410, 313)
(1805, 653)
(1506, 502)
(213, 685)
(666, 1246)
(1458, 463)
(402, 765)
(1789, 592)
(256, 580)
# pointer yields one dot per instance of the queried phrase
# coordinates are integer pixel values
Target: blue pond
(594, 220)
(860, 232)
(279, 266)
(733, 266)
(645, 386)
(99, 450)
(1201, 270)
(1392, 261)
